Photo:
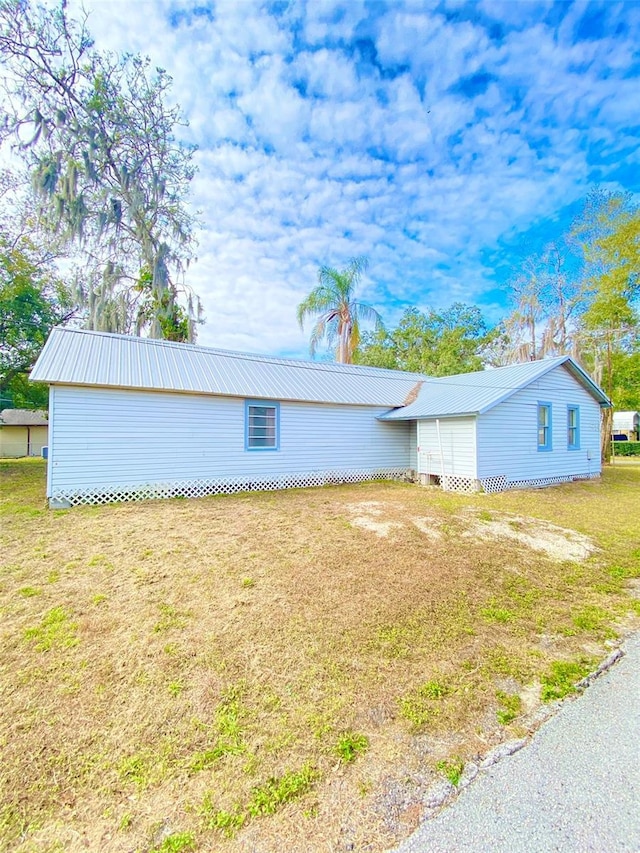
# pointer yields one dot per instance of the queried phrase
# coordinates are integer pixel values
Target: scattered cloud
(428, 138)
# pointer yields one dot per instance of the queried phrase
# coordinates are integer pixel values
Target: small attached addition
(544, 426)
(262, 425)
(573, 427)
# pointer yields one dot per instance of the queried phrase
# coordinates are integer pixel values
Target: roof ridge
(329, 367)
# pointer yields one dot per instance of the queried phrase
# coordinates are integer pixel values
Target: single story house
(22, 433)
(133, 418)
(627, 424)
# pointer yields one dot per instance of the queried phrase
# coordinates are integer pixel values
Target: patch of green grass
(502, 661)
(141, 768)
(100, 560)
(176, 688)
(452, 769)
(276, 792)
(170, 618)
(510, 707)
(485, 515)
(350, 746)
(178, 842)
(392, 641)
(247, 583)
(29, 591)
(560, 680)
(98, 598)
(422, 706)
(126, 822)
(228, 728)
(589, 618)
(56, 631)
(264, 800)
(520, 591)
(494, 612)
(227, 822)
(434, 689)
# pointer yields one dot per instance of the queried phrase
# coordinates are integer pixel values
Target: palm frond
(338, 315)
(368, 314)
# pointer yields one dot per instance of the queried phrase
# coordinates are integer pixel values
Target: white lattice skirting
(63, 498)
(467, 485)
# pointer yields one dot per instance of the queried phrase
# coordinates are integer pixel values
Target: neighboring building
(134, 418)
(22, 433)
(627, 425)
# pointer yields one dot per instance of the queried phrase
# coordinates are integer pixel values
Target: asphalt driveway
(574, 788)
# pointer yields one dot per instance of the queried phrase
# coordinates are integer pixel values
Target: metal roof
(79, 357)
(475, 393)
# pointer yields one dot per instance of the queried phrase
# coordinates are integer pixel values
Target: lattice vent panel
(464, 485)
(494, 484)
(500, 484)
(221, 486)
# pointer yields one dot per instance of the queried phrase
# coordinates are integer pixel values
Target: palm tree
(338, 313)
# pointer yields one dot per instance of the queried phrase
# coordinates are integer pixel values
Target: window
(544, 426)
(262, 426)
(573, 427)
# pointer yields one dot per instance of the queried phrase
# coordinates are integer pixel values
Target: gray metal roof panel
(79, 357)
(475, 393)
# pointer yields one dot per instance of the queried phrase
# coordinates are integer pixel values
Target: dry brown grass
(161, 662)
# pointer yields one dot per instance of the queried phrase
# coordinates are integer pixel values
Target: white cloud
(424, 144)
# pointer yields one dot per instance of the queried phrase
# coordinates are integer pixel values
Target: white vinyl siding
(105, 437)
(413, 445)
(508, 433)
(456, 449)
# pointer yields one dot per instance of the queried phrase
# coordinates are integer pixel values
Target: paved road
(575, 788)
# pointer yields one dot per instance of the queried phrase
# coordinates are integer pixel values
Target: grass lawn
(287, 671)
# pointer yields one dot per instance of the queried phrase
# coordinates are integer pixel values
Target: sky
(443, 141)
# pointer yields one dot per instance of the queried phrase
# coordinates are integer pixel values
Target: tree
(32, 300)
(546, 301)
(590, 312)
(434, 343)
(110, 177)
(339, 314)
(608, 234)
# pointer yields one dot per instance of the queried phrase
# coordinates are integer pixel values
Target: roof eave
(418, 417)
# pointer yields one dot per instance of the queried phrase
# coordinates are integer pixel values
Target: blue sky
(441, 140)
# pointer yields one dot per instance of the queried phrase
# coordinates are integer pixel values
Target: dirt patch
(556, 542)
(429, 525)
(368, 516)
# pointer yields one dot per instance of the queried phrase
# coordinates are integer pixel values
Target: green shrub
(626, 448)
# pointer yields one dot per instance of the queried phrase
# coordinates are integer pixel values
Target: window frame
(548, 445)
(262, 404)
(576, 444)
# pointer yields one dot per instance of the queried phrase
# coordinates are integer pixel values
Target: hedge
(626, 448)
